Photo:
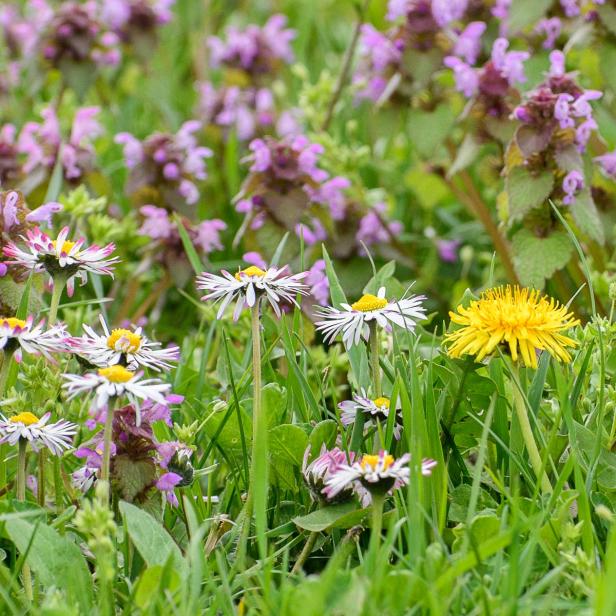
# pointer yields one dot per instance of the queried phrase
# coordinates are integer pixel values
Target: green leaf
(586, 216)
(537, 258)
(151, 539)
(466, 154)
(526, 191)
(274, 400)
(526, 12)
(287, 444)
(324, 518)
(607, 14)
(132, 477)
(189, 247)
(324, 433)
(55, 560)
(152, 582)
(381, 278)
(428, 129)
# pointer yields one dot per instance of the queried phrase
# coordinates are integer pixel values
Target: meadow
(307, 307)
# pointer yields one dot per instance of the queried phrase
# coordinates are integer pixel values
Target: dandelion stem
(107, 441)
(519, 406)
(59, 282)
(306, 550)
(21, 496)
(374, 360)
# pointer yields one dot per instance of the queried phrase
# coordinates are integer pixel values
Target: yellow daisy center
(253, 270)
(12, 322)
(116, 374)
(522, 320)
(369, 302)
(371, 461)
(380, 402)
(131, 342)
(66, 246)
(27, 418)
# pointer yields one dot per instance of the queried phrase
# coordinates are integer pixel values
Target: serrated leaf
(132, 477)
(586, 216)
(531, 140)
(537, 258)
(569, 159)
(324, 518)
(55, 560)
(526, 191)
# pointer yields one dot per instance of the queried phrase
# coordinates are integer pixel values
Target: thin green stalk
(374, 360)
(21, 496)
(519, 406)
(306, 550)
(107, 434)
(378, 500)
(40, 492)
(5, 369)
(59, 282)
(256, 500)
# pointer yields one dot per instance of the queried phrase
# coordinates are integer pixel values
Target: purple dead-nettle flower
(448, 250)
(318, 282)
(374, 229)
(466, 77)
(570, 7)
(446, 11)
(41, 143)
(468, 42)
(312, 233)
(573, 183)
(509, 63)
(317, 472)
(245, 110)
(500, 10)
(74, 35)
(550, 28)
(607, 162)
(165, 167)
(22, 29)
(134, 19)
(256, 50)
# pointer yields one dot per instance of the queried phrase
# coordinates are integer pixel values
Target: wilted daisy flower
(379, 474)
(375, 410)
(352, 320)
(321, 468)
(522, 319)
(114, 382)
(61, 257)
(130, 348)
(57, 437)
(249, 284)
(17, 335)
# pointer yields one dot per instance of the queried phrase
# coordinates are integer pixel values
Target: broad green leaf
(324, 433)
(287, 444)
(55, 560)
(324, 518)
(537, 258)
(152, 581)
(526, 191)
(151, 539)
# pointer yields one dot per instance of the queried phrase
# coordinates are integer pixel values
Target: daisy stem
(374, 360)
(521, 411)
(21, 496)
(378, 500)
(59, 282)
(40, 492)
(107, 441)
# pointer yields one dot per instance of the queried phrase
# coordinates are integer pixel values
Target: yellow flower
(522, 318)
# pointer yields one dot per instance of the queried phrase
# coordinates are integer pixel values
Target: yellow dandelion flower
(523, 319)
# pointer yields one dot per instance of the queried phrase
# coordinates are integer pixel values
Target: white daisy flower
(17, 335)
(249, 284)
(61, 256)
(114, 382)
(57, 437)
(352, 320)
(131, 348)
(375, 410)
(380, 474)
